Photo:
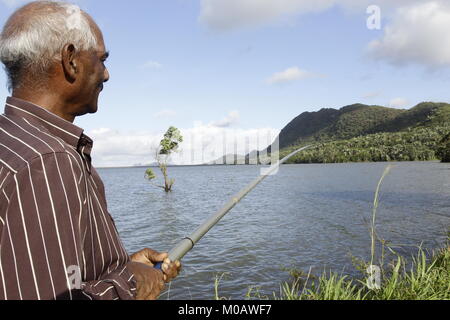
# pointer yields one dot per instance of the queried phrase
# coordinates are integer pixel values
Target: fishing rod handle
(158, 266)
(178, 252)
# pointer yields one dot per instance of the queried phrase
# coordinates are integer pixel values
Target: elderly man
(57, 239)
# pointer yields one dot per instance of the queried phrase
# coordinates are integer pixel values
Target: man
(57, 239)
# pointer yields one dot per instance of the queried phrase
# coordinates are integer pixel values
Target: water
(306, 216)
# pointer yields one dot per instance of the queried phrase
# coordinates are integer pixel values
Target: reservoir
(308, 217)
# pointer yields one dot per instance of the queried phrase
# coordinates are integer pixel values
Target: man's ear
(69, 62)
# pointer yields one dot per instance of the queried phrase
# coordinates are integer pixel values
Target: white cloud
(416, 30)
(231, 119)
(291, 74)
(234, 14)
(152, 65)
(417, 34)
(231, 14)
(202, 144)
(100, 131)
(398, 103)
(166, 113)
(385, 5)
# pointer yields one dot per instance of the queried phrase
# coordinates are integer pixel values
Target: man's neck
(49, 102)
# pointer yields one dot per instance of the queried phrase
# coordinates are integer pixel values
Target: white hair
(33, 43)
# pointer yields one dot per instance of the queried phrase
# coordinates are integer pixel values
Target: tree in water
(167, 146)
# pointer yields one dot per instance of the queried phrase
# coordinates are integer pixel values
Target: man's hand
(149, 281)
(148, 257)
(151, 258)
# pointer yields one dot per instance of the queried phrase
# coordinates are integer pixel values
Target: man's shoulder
(22, 143)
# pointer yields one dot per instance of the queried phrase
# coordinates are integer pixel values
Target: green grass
(425, 277)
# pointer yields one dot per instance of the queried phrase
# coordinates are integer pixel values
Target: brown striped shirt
(57, 239)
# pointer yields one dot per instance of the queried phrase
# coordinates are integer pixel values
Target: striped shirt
(57, 239)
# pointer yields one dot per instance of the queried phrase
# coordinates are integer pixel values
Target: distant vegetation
(411, 145)
(370, 133)
(443, 150)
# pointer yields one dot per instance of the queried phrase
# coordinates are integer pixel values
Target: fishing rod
(186, 245)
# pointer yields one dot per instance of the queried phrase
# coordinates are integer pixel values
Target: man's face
(93, 75)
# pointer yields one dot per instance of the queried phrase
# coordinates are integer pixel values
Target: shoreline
(261, 165)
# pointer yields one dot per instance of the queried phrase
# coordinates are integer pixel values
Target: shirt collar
(57, 126)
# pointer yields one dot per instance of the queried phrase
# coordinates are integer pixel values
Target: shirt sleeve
(119, 285)
(45, 252)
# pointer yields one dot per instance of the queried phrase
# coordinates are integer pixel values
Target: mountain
(360, 120)
(230, 159)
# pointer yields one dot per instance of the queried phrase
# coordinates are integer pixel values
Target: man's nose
(106, 76)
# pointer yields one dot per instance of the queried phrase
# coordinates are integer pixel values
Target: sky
(226, 72)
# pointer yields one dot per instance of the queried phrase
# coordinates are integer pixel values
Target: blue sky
(238, 66)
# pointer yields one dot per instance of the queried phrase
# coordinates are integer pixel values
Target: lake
(307, 216)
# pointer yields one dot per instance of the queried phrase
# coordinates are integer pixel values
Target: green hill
(369, 133)
(359, 119)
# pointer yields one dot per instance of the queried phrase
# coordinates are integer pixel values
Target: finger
(148, 256)
(171, 273)
(167, 267)
(152, 257)
(147, 262)
(155, 256)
